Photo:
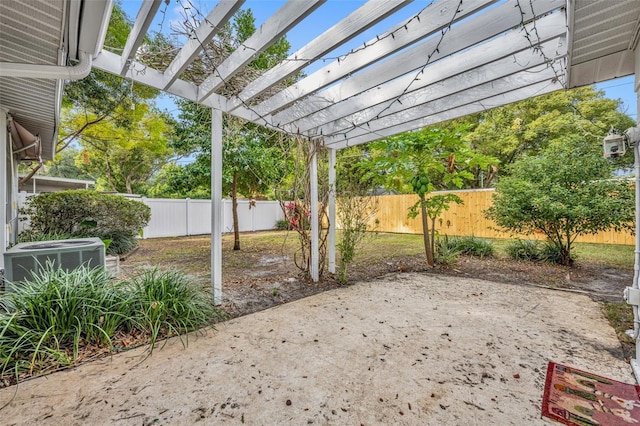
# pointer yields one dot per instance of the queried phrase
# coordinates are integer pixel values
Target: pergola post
(635, 363)
(314, 217)
(3, 178)
(216, 205)
(332, 211)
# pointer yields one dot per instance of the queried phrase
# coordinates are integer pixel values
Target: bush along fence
(183, 217)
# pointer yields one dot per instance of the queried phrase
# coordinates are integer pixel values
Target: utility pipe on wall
(55, 72)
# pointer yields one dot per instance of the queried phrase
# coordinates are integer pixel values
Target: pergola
(450, 59)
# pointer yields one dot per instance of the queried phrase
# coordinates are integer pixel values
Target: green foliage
(553, 253)
(524, 250)
(51, 317)
(82, 213)
(529, 127)
(168, 303)
(253, 161)
(283, 225)
(355, 213)
(566, 192)
(473, 246)
(446, 251)
(124, 158)
(435, 158)
(64, 166)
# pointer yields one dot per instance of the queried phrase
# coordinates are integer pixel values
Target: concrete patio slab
(404, 349)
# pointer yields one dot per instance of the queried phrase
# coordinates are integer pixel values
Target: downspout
(56, 72)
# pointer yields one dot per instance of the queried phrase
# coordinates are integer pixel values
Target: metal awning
(24, 144)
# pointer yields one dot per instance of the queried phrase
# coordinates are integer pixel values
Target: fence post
(186, 216)
(145, 230)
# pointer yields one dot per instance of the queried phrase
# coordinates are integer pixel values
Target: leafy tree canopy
(530, 126)
(565, 191)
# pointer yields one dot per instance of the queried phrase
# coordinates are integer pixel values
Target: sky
(319, 21)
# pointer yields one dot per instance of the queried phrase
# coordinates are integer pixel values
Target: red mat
(579, 398)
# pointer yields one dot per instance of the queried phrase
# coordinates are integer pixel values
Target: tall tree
(530, 126)
(100, 95)
(422, 162)
(252, 161)
(124, 158)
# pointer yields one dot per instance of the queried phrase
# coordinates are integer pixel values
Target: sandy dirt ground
(408, 349)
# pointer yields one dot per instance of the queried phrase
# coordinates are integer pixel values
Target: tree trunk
(234, 208)
(425, 231)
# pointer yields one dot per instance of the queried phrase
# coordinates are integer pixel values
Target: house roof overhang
(39, 41)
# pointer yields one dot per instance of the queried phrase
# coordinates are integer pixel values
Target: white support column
(4, 182)
(635, 363)
(216, 205)
(332, 211)
(315, 252)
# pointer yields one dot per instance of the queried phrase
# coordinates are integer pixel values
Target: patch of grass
(614, 255)
(192, 254)
(620, 316)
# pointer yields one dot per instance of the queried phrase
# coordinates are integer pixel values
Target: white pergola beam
(216, 205)
(473, 95)
(471, 108)
(487, 25)
(355, 23)
(277, 25)
(144, 18)
(482, 63)
(207, 29)
(372, 105)
(405, 34)
(140, 73)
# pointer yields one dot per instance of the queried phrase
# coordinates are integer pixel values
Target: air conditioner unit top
(23, 260)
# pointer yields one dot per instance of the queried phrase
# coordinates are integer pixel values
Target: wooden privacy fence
(466, 219)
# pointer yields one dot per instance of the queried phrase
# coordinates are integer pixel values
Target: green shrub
(473, 246)
(83, 213)
(283, 225)
(446, 251)
(30, 236)
(44, 322)
(168, 303)
(551, 253)
(524, 250)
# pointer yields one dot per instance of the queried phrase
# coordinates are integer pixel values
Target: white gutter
(56, 72)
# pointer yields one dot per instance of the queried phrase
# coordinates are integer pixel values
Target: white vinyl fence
(177, 218)
(173, 218)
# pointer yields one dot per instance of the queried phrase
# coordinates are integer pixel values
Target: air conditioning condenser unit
(24, 259)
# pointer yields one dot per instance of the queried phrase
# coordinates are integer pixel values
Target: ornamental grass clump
(474, 246)
(167, 303)
(58, 316)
